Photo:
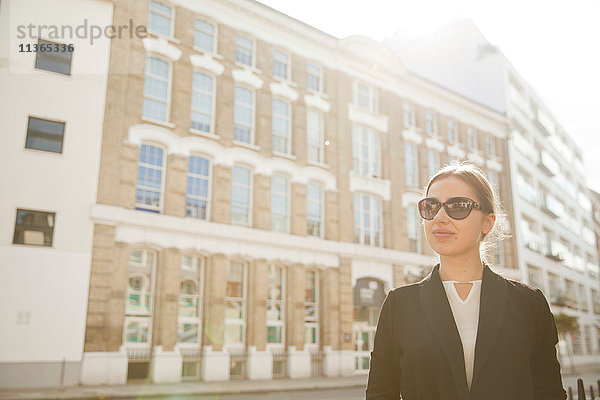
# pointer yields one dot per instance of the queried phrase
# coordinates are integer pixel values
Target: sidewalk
(588, 374)
(183, 388)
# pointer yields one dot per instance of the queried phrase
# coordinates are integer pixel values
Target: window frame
(171, 35)
(250, 195)
(375, 219)
(436, 160)
(320, 147)
(414, 166)
(213, 95)
(200, 265)
(287, 215)
(321, 209)
(451, 131)
(288, 65)
(288, 138)
(52, 55)
(373, 94)
(313, 323)
(161, 198)
(472, 139)
(374, 167)
(490, 146)
(431, 120)
(252, 137)
(215, 35)
(252, 51)
(408, 109)
(209, 185)
(414, 232)
(319, 77)
(18, 227)
(169, 88)
(64, 127)
(282, 303)
(244, 303)
(149, 317)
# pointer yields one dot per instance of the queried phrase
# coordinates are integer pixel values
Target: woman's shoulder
(522, 291)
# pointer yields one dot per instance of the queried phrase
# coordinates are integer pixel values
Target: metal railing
(191, 369)
(237, 365)
(316, 363)
(138, 364)
(279, 364)
(581, 393)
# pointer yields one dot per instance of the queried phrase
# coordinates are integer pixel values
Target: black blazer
(418, 352)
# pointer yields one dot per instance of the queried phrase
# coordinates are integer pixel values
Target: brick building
(257, 192)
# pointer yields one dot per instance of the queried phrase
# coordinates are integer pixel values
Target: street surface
(356, 393)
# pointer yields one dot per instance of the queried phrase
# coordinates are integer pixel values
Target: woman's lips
(442, 234)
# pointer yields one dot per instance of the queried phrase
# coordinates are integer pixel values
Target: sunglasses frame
(473, 205)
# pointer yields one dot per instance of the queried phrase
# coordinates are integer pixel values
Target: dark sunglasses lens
(459, 208)
(428, 208)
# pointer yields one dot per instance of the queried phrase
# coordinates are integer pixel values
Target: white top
(466, 316)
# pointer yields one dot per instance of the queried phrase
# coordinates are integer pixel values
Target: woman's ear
(488, 223)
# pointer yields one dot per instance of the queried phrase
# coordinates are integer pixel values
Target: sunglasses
(455, 207)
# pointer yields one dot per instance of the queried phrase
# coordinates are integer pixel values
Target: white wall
(50, 283)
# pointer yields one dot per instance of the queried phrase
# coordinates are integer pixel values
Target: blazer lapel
(492, 311)
(439, 314)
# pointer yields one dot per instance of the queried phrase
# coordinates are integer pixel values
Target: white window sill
(285, 81)
(250, 68)
(284, 155)
(205, 134)
(247, 145)
(318, 164)
(158, 122)
(169, 39)
(318, 93)
(213, 55)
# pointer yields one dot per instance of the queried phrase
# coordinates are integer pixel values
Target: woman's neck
(460, 269)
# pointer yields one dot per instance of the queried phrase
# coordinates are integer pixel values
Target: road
(356, 393)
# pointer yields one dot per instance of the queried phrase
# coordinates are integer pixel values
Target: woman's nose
(441, 215)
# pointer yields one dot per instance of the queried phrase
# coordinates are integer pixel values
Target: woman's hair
(472, 175)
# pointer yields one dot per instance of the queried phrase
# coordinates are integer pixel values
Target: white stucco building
(52, 110)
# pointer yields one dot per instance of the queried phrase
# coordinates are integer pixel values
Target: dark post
(580, 389)
(570, 393)
(592, 392)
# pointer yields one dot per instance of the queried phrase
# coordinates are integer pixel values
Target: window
(314, 209)
(54, 57)
(190, 300)
(157, 89)
(204, 36)
(490, 146)
(368, 221)
(411, 164)
(281, 127)
(241, 192)
(434, 162)
(408, 115)
(366, 151)
(313, 77)
(451, 125)
(493, 178)
(148, 195)
(281, 66)
(35, 228)
(280, 204)
(235, 303)
(311, 309)
(45, 135)
(430, 123)
(243, 115)
(275, 305)
(198, 192)
(314, 136)
(244, 51)
(366, 97)
(413, 228)
(203, 94)
(471, 139)
(161, 19)
(138, 309)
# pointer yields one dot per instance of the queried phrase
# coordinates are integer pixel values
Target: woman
(464, 332)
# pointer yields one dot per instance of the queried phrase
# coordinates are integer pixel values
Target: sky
(553, 44)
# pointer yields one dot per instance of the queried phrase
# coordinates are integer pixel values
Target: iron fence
(279, 364)
(138, 364)
(191, 369)
(316, 363)
(581, 392)
(237, 365)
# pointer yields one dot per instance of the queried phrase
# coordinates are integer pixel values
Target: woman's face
(451, 237)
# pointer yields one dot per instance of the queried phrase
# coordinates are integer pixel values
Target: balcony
(550, 212)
